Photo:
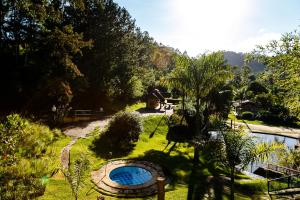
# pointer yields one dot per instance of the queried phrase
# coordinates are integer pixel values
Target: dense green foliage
(26, 156)
(121, 135)
(60, 52)
(275, 91)
(282, 74)
(204, 82)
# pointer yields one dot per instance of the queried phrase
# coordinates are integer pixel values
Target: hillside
(237, 59)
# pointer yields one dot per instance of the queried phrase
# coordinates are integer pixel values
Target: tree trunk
(232, 184)
(183, 102)
(196, 154)
(196, 148)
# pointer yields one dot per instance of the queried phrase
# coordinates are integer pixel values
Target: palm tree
(239, 149)
(205, 75)
(178, 77)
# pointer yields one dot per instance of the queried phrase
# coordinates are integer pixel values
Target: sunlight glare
(215, 23)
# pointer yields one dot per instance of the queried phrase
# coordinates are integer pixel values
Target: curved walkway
(76, 132)
(276, 130)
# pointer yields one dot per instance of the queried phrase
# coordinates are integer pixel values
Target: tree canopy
(282, 58)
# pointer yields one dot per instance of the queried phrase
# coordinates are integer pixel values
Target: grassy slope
(177, 165)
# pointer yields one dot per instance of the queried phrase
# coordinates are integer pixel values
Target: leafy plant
(237, 149)
(247, 115)
(120, 137)
(74, 175)
(25, 157)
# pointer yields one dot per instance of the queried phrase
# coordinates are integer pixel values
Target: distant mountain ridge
(237, 59)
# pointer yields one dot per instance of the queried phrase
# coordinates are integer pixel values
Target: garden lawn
(256, 122)
(184, 181)
(259, 122)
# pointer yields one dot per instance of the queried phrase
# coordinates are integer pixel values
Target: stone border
(106, 185)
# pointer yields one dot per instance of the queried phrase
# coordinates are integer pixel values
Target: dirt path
(76, 132)
(81, 130)
(277, 130)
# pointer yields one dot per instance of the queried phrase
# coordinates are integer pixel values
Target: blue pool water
(130, 175)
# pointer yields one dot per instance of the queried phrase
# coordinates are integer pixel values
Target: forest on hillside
(61, 52)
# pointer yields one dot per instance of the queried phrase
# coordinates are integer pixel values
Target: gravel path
(277, 130)
(76, 132)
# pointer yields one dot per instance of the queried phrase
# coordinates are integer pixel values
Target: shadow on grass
(205, 180)
(158, 124)
(147, 110)
(104, 149)
(170, 164)
(180, 169)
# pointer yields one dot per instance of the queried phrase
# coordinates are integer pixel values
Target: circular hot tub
(130, 175)
(128, 178)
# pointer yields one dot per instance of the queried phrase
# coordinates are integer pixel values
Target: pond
(263, 137)
(288, 141)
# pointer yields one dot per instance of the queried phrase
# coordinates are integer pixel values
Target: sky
(197, 26)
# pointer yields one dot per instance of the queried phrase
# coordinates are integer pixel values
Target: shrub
(15, 187)
(25, 157)
(257, 88)
(247, 115)
(264, 100)
(124, 128)
(120, 137)
(21, 138)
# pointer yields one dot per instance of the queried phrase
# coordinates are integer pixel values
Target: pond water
(262, 137)
(288, 141)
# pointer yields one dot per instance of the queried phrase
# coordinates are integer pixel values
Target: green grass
(56, 147)
(135, 107)
(259, 122)
(177, 166)
(256, 122)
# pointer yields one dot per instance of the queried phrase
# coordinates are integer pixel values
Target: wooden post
(160, 188)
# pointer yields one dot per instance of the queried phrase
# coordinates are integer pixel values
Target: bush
(16, 187)
(247, 115)
(120, 137)
(124, 128)
(276, 116)
(25, 157)
(264, 100)
(257, 88)
(21, 138)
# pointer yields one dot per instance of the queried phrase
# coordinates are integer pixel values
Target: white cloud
(250, 43)
(209, 25)
(262, 30)
(199, 25)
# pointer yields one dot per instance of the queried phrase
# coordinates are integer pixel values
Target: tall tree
(282, 58)
(205, 74)
(238, 149)
(178, 78)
